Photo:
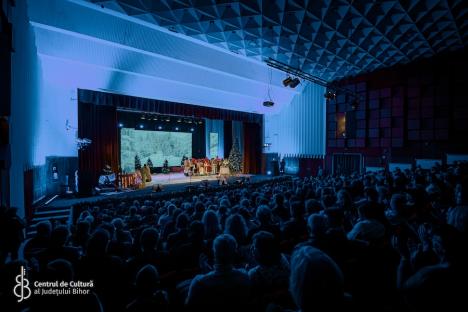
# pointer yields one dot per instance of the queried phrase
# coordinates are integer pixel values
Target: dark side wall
(417, 110)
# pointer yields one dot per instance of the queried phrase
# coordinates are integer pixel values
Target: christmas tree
(137, 162)
(235, 158)
(149, 163)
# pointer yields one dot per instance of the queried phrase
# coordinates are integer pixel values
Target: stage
(179, 177)
(172, 182)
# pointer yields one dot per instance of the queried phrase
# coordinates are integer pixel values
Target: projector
(268, 103)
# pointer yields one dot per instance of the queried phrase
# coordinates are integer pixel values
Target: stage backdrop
(98, 121)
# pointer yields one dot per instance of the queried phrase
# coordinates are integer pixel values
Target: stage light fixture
(291, 82)
(294, 83)
(191, 129)
(168, 119)
(155, 118)
(159, 127)
(141, 126)
(120, 125)
(179, 120)
(176, 128)
(287, 81)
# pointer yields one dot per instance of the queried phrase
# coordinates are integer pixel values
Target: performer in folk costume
(147, 171)
(207, 165)
(187, 167)
(139, 179)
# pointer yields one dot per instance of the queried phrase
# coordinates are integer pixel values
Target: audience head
(211, 223)
(44, 229)
(316, 281)
(149, 239)
(224, 249)
(264, 214)
(236, 226)
(97, 245)
(317, 225)
(59, 236)
(297, 210)
(60, 270)
(147, 280)
(266, 249)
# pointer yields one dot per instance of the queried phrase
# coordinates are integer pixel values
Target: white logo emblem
(22, 290)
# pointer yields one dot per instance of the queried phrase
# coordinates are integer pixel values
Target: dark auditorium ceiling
(330, 39)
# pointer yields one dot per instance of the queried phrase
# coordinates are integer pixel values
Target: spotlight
(329, 95)
(142, 117)
(287, 81)
(294, 83)
(191, 129)
(179, 120)
(159, 127)
(291, 82)
(141, 126)
(269, 172)
(155, 118)
(120, 125)
(168, 119)
(176, 128)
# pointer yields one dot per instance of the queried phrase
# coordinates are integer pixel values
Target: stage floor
(179, 177)
(172, 182)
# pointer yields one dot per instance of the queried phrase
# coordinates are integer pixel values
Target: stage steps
(54, 215)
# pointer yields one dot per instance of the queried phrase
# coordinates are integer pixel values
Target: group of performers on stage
(205, 166)
(191, 166)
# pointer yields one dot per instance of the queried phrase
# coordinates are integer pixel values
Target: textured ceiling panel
(331, 39)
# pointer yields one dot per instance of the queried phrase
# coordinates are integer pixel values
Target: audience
(376, 241)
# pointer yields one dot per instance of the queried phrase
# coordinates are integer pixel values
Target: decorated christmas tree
(149, 163)
(235, 158)
(137, 162)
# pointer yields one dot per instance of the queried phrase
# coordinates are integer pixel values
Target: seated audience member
(367, 228)
(441, 286)
(265, 222)
(316, 282)
(180, 236)
(40, 241)
(148, 296)
(224, 288)
(271, 273)
(296, 228)
(59, 247)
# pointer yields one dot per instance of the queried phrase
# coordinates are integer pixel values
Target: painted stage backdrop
(156, 146)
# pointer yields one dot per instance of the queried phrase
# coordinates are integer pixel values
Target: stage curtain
(214, 126)
(252, 147)
(238, 133)
(99, 124)
(227, 137)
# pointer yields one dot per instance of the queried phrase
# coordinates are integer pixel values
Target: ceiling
(330, 39)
